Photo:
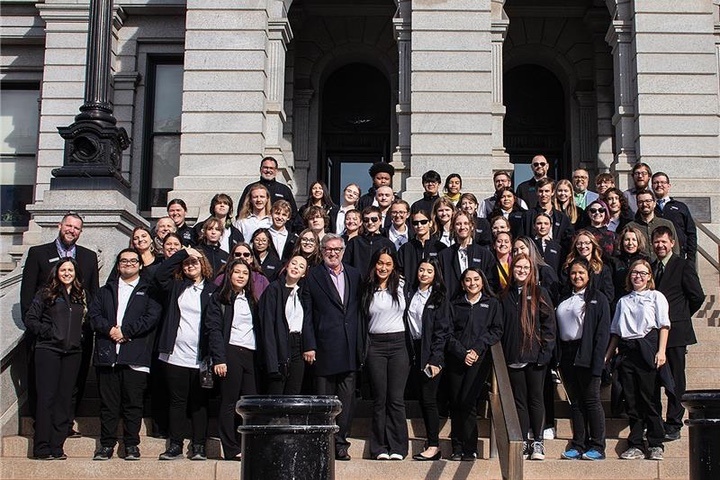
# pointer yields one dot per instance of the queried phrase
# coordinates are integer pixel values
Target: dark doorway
(355, 127)
(535, 120)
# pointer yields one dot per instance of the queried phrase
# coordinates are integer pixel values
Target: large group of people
(378, 296)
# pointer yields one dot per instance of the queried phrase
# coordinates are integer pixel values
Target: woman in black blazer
(282, 320)
(231, 325)
(585, 245)
(476, 326)
(528, 341)
(583, 335)
(55, 320)
(186, 279)
(428, 319)
(265, 254)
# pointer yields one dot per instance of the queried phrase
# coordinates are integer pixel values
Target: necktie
(659, 272)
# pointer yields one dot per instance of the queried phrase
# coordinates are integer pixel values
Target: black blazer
(562, 229)
(218, 325)
(334, 328)
(475, 327)
(435, 331)
(483, 232)
(679, 214)
(412, 252)
(141, 316)
(359, 250)
(596, 334)
(217, 257)
(553, 254)
(42, 258)
(540, 352)
(603, 281)
(271, 266)
(681, 286)
(173, 288)
(275, 332)
(477, 257)
(236, 235)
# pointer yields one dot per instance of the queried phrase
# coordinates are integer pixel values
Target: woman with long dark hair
(308, 246)
(55, 319)
(259, 281)
(282, 320)
(428, 319)
(598, 217)
(639, 331)
(620, 213)
(231, 325)
(387, 359)
(186, 278)
(452, 190)
(265, 254)
(476, 326)
(528, 341)
(508, 206)
(583, 321)
(318, 196)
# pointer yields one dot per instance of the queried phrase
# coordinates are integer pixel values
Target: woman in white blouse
(387, 359)
(231, 326)
(254, 212)
(640, 331)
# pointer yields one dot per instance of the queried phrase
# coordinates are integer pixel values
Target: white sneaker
(538, 451)
(396, 456)
(383, 456)
(549, 433)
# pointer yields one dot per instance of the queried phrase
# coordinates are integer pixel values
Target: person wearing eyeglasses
(334, 339)
(123, 316)
(308, 246)
(360, 249)
(562, 228)
(585, 245)
(431, 184)
(278, 191)
(421, 245)
(399, 231)
(501, 180)
(639, 332)
(678, 213)
(598, 217)
(646, 221)
(527, 190)
(582, 196)
(186, 279)
(641, 174)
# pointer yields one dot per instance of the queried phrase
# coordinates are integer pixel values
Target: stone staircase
(703, 371)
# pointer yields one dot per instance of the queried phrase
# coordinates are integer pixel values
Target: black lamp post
(94, 143)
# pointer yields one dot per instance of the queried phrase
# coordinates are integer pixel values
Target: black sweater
(540, 352)
(475, 327)
(57, 326)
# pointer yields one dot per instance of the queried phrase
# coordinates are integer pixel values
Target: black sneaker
(132, 453)
(198, 452)
(103, 453)
(672, 434)
(174, 452)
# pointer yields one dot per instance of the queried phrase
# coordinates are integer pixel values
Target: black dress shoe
(456, 457)
(132, 453)
(43, 457)
(469, 457)
(342, 455)
(423, 458)
(103, 453)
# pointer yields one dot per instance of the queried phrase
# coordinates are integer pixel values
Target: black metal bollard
(704, 427)
(288, 437)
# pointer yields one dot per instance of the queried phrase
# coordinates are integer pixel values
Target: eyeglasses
(126, 262)
(638, 273)
(415, 223)
(539, 164)
(335, 250)
(402, 212)
(583, 244)
(370, 219)
(307, 240)
(593, 211)
(660, 182)
(640, 174)
(645, 202)
(522, 268)
(242, 254)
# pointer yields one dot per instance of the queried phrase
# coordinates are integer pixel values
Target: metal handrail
(506, 438)
(715, 263)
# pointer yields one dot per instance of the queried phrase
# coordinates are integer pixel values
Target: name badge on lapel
(270, 267)
(431, 307)
(140, 293)
(477, 260)
(54, 259)
(593, 302)
(484, 305)
(552, 250)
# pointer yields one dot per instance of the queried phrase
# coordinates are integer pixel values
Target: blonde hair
(570, 209)
(247, 207)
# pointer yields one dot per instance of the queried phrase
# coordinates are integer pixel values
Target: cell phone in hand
(428, 371)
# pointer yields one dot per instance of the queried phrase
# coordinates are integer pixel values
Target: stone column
(498, 30)
(279, 34)
(403, 34)
(587, 126)
(619, 37)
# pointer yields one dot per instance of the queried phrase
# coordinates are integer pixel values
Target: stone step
(707, 334)
(85, 469)
(702, 378)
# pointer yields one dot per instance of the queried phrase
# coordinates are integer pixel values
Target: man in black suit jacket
(677, 279)
(334, 342)
(38, 264)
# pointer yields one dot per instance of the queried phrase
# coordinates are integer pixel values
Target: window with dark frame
(161, 140)
(19, 124)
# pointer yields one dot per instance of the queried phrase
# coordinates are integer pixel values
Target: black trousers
(186, 397)
(527, 386)
(121, 396)
(159, 400)
(587, 414)
(388, 365)
(240, 380)
(464, 384)
(426, 390)
(675, 411)
(343, 386)
(290, 382)
(641, 387)
(55, 375)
